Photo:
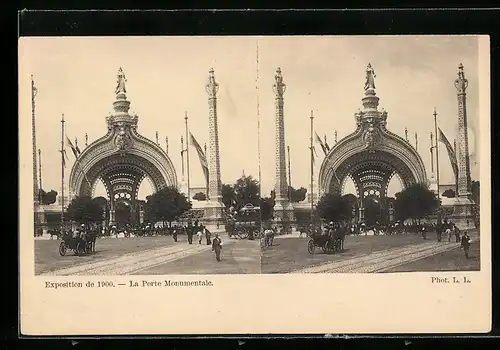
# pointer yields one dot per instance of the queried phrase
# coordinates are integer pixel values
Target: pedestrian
(189, 232)
(448, 230)
(199, 235)
(465, 245)
(439, 230)
(457, 233)
(217, 246)
(208, 236)
(174, 233)
(424, 233)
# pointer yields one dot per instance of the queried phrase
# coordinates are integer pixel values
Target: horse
(269, 237)
(53, 233)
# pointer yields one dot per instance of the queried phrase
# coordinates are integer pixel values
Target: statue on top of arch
(120, 87)
(370, 77)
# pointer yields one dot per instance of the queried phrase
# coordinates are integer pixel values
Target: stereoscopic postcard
(254, 185)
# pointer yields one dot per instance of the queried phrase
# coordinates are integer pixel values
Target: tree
(475, 192)
(449, 193)
(228, 195)
(267, 208)
(166, 205)
(123, 214)
(297, 195)
(84, 210)
(333, 207)
(351, 199)
(415, 202)
(47, 198)
(246, 191)
(200, 196)
(373, 210)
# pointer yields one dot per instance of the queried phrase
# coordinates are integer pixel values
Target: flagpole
(437, 150)
(187, 156)
(456, 176)
(62, 174)
(312, 171)
(206, 187)
(39, 173)
(36, 191)
(258, 120)
(182, 157)
(432, 155)
(289, 175)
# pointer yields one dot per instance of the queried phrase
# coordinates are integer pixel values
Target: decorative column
(214, 207)
(283, 209)
(463, 206)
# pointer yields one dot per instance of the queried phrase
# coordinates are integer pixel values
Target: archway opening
(395, 185)
(145, 189)
(349, 187)
(100, 190)
(123, 214)
(373, 210)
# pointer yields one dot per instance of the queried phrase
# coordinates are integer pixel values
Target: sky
(166, 76)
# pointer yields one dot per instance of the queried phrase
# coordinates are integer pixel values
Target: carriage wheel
(62, 249)
(243, 234)
(310, 246)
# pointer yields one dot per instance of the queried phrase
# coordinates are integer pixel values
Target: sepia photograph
(277, 157)
(355, 184)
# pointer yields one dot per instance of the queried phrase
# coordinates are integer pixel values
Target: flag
(201, 156)
(64, 156)
(451, 152)
(77, 149)
(318, 140)
(327, 147)
(68, 141)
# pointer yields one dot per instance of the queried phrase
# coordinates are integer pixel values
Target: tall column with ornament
(283, 209)
(214, 208)
(462, 212)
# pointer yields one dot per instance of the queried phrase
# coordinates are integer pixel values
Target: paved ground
(363, 254)
(452, 260)
(149, 256)
(47, 256)
(160, 255)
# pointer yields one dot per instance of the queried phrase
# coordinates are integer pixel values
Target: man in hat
(465, 244)
(208, 235)
(217, 246)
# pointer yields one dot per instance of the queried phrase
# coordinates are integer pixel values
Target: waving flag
(73, 148)
(451, 152)
(201, 156)
(323, 147)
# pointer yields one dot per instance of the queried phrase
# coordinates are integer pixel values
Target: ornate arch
(122, 157)
(373, 149)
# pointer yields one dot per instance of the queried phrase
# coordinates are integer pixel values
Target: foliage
(475, 192)
(449, 193)
(166, 205)
(415, 202)
(351, 199)
(123, 214)
(246, 191)
(297, 195)
(228, 195)
(266, 208)
(84, 210)
(47, 198)
(373, 211)
(101, 201)
(333, 207)
(200, 196)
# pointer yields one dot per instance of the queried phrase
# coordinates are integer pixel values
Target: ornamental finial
(279, 87)
(461, 82)
(370, 77)
(121, 79)
(212, 87)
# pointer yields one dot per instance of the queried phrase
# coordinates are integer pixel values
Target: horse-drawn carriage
(329, 240)
(244, 223)
(78, 244)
